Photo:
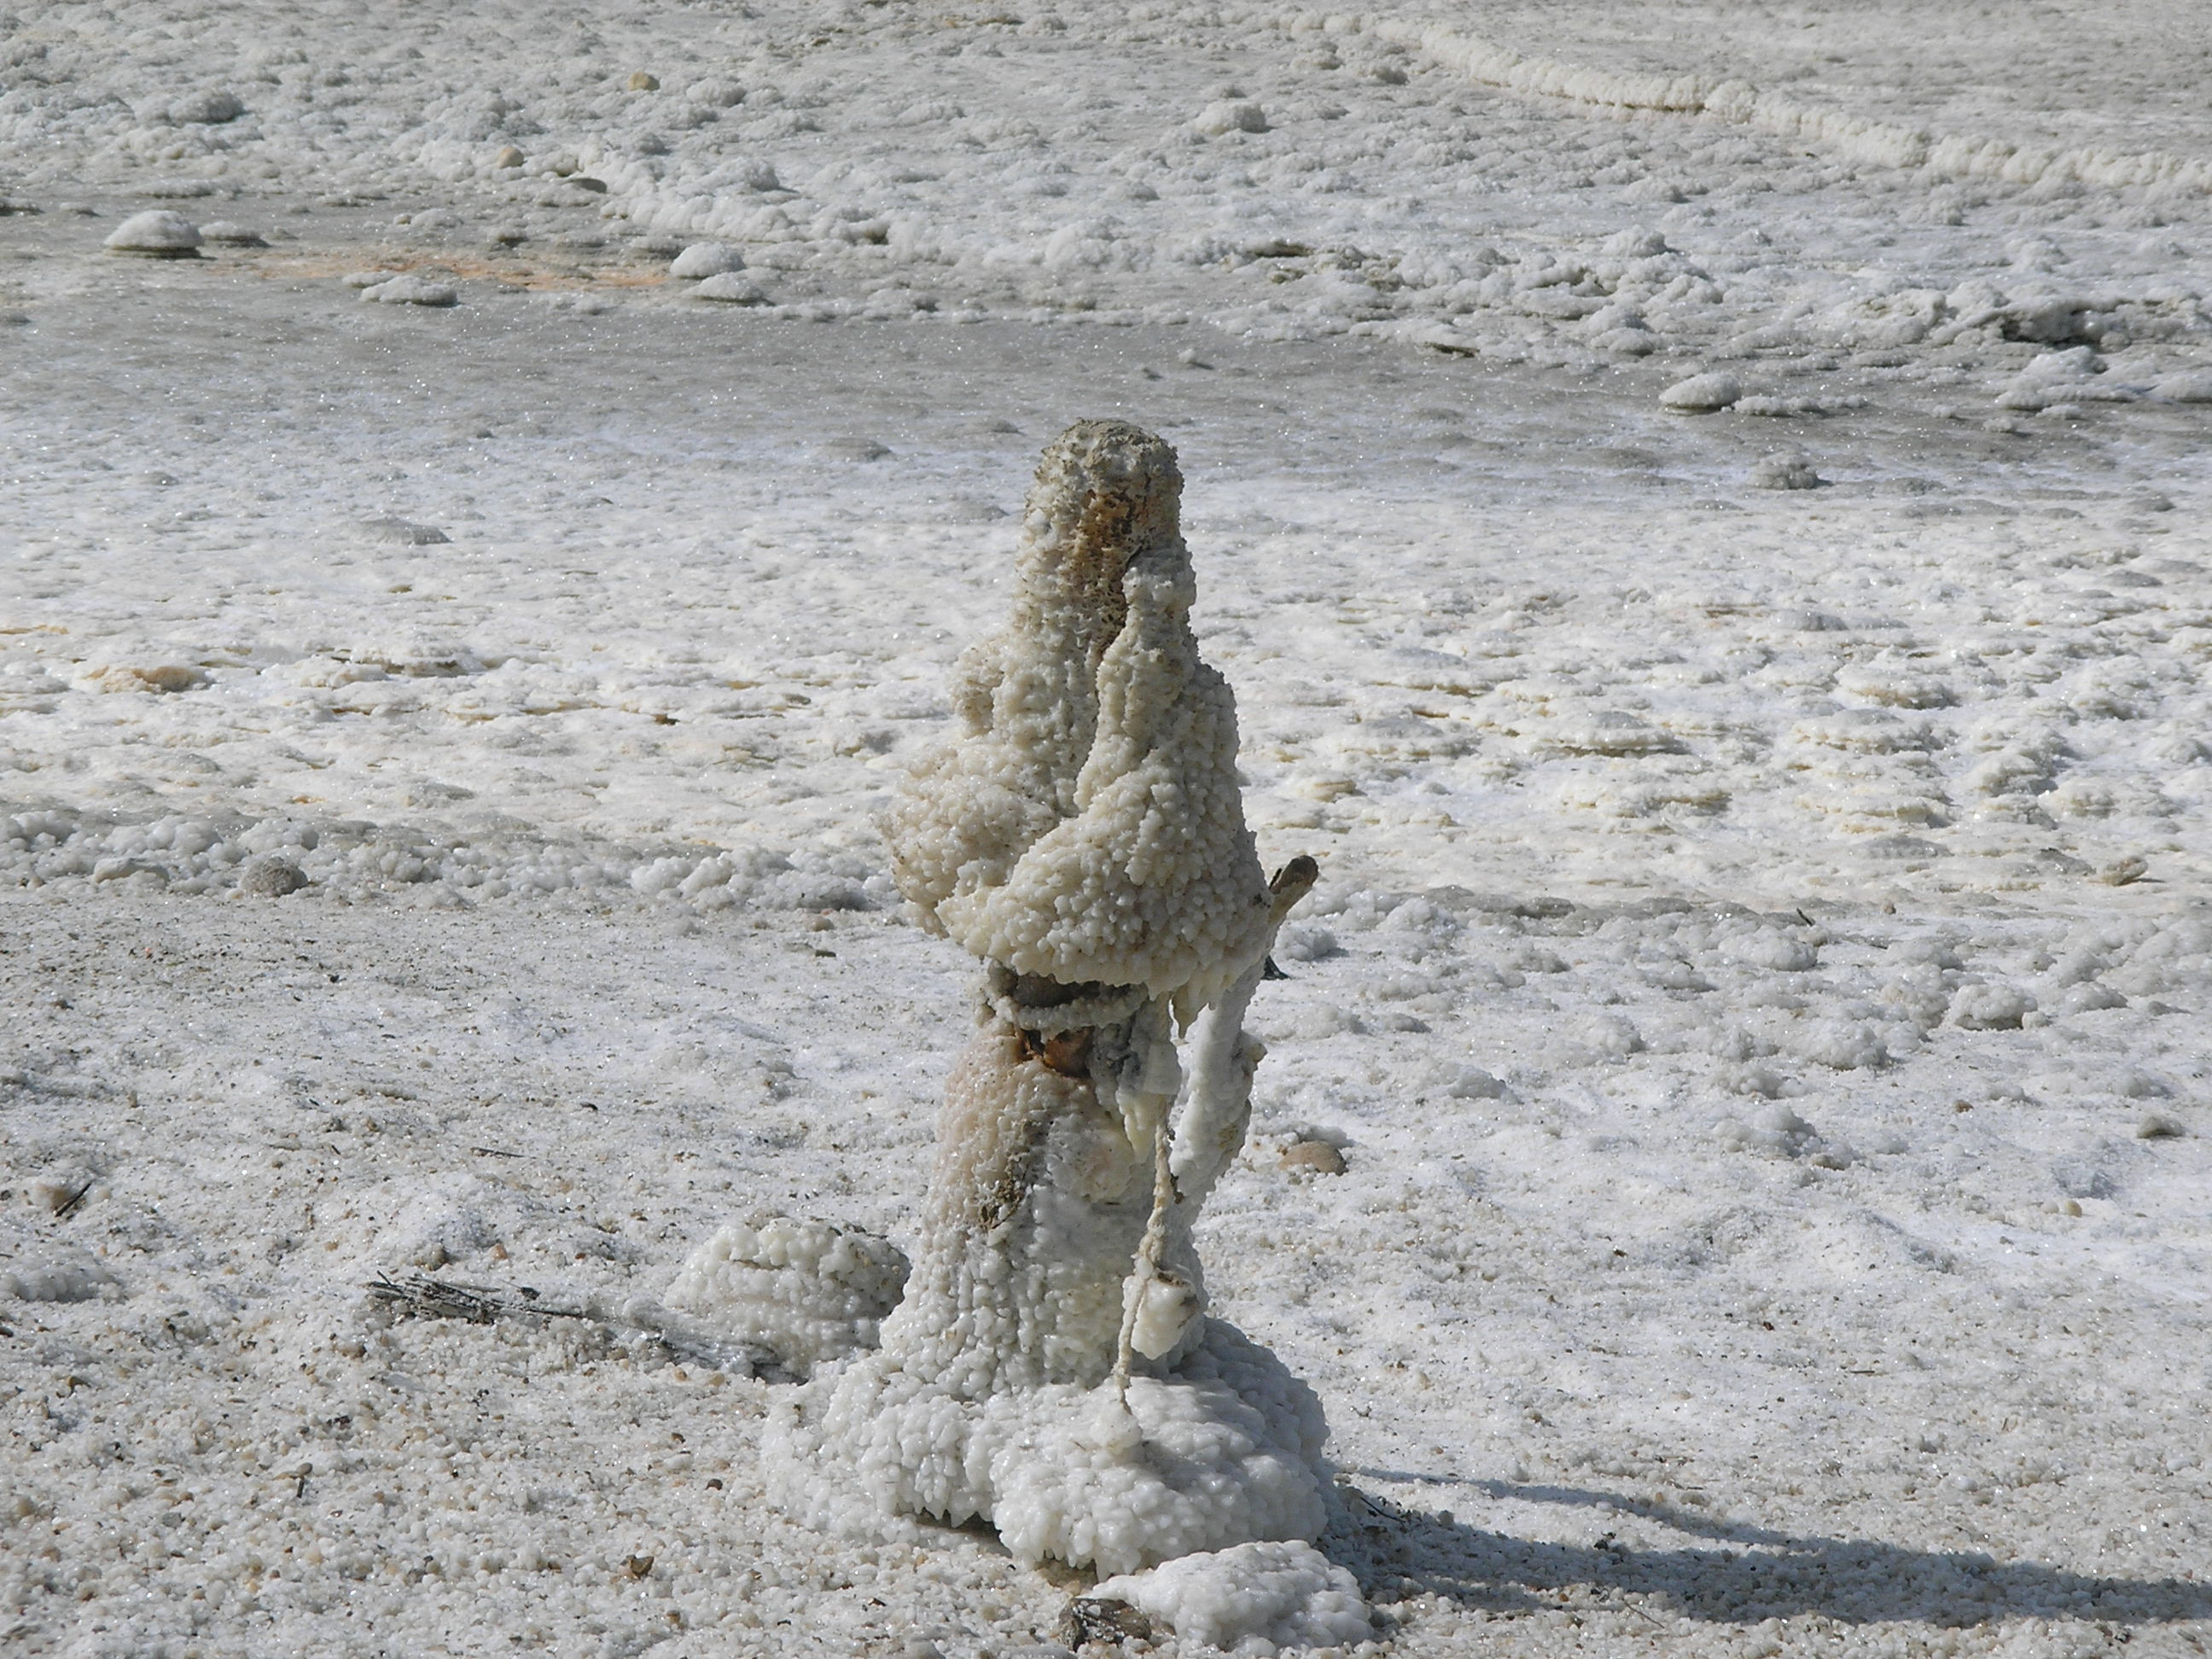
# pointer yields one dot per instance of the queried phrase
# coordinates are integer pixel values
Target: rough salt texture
(1085, 825)
(1252, 1601)
(801, 1291)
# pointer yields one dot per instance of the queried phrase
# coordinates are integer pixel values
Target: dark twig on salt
(422, 1296)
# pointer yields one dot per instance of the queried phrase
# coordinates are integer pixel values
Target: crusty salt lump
(801, 1291)
(1255, 1599)
(271, 878)
(1231, 115)
(156, 233)
(211, 109)
(703, 259)
(732, 288)
(411, 290)
(1051, 1368)
(1784, 472)
(1701, 394)
(1085, 824)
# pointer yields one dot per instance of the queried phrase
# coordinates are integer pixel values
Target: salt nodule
(703, 260)
(1784, 472)
(1701, 394)
(412, 290)
(212, 108)
(805, 1292)
(1231, 115)
(1253, 1599)
(270, 877)
(732, 288)
(156, 233)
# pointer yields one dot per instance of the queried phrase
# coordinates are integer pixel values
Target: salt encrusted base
(1224, 1450)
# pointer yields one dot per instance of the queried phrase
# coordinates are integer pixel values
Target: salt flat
(1760, 976)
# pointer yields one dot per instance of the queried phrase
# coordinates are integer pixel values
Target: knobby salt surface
(1082, 836)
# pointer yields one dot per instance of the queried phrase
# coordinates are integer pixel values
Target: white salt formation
(1051, 1369)
(411, 290)
(1252, 1599)
(1085, 826)
(801, 1291)
(157, 233)
(705, 260)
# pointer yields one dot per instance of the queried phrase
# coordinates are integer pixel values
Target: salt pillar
(1052, 1368)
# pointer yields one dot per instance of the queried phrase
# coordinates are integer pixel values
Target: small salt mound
(1231, 115)
(270, 877)
(156, 233)
(209, 109)
(805, 1292)
(74, 1277)
(236, 235)
(733, 288)
(2063, 378)
(1637, 242)
(715, 93)
(400, 533)
(1701, 394)
(412, 291)
(1990, 1007)
(1784, 472)
(703, 259)
(164, 678)
(2191, 388)
(1253, 1601)
(1625, 342)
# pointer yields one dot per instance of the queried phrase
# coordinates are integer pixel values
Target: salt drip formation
(1051, 1368)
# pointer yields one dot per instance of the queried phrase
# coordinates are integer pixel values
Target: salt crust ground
(1710, 984)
